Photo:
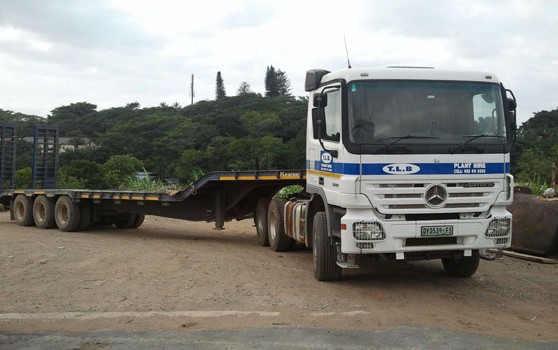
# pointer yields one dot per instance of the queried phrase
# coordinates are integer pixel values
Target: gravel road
(177, 276)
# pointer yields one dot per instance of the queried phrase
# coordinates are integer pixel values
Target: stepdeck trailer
(401, 163)
(217, 196)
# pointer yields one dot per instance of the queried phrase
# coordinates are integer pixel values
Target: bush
(289, 191)
(118, 168)
(24, 177)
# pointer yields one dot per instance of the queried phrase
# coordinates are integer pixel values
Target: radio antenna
(347, 51)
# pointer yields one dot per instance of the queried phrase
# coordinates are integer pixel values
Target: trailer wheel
(278, 240)
(43, 212)
(67, 214)
(23, 211)
(85, 215)
(139, 220)
(125, 220)
(462, 267)
(323, 252)
(261, 221)
(105, 220)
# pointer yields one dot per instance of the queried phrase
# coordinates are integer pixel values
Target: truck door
(323, 162)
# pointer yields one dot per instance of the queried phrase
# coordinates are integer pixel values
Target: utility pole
(192, 91)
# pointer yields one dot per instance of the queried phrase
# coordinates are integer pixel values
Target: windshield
(381, 112)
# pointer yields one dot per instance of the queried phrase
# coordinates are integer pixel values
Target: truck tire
(278, 240)
(323, 252)
(67, 214)
(462, 267)
(23, 210)
(126, 220)
(261, 221)
(43, 212)
(85, 215)
(139, 220)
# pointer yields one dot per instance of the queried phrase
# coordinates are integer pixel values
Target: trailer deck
(217, 196)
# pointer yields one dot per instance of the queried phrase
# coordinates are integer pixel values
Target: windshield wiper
(399, 138)
(473, 138)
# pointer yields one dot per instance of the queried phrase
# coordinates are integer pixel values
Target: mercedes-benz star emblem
(436, 196)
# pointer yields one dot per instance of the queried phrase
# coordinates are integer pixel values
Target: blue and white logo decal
(326, 158)
(326, 162)
(401, 169)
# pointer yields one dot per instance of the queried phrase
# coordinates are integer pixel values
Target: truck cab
(407, 164)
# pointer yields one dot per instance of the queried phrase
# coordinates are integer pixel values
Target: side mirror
(512, 105)
(320, 100)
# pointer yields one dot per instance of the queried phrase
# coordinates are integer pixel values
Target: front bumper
(401, 236)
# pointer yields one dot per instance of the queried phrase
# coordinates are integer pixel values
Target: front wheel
(462, 267)
(323, 252)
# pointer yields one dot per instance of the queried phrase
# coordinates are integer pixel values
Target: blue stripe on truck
(477, 168)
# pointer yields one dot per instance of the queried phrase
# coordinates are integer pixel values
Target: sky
(114, 52)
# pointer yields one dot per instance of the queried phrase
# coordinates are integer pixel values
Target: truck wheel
(85, 215)
(261, 221)
(324, 253)
(462, 267)
(139, 220)
(23, 211)
(43, 212)
(125, 220)
(278, 240)
(66, 214)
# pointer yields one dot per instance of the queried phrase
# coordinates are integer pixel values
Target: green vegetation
(244, 132)
(289, 191)
(535, 150)
(145, 183)
(24, 177)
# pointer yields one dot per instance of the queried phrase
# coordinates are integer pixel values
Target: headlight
(368, 231)
(498, 228)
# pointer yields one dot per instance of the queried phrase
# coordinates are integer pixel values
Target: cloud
(112, 52)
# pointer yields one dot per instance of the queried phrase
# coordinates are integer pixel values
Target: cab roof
(408, 73)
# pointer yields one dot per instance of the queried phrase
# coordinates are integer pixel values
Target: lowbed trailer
(217, 196)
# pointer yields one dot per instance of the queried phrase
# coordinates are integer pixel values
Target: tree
(76, 116)
(244, 89)
(276, 83)
(283, 83)
(536, 148)
(219, 87)
(271, 88)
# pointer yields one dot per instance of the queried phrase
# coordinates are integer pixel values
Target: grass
(144, 184)
(536, 186)
(149, 184)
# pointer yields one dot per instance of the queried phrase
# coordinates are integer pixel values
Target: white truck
(405, 163)
(402, 163)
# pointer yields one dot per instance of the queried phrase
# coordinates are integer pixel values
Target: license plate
(428, 231)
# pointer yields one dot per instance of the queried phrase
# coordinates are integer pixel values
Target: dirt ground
(172, 275)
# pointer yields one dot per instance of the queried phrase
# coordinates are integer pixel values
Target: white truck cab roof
(408, 73)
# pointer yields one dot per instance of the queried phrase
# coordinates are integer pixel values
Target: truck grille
(409, 198)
